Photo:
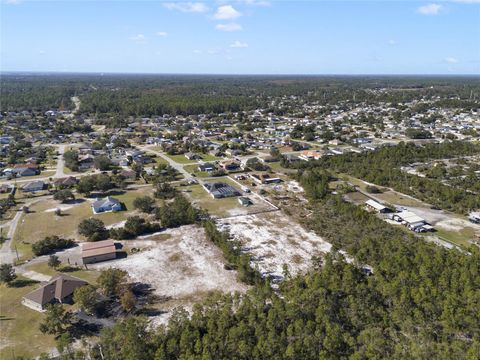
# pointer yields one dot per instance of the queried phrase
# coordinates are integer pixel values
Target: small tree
(63, 195)
(7, 273)
(57, 320)
(87, 298)
(111, 281)
(102, 163)
(128, 301)
(54, 261)
(93, 229)
(144, 203)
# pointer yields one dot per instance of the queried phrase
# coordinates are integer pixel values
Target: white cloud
(196, 51)
(162, 33)
(226, 12)
(42, 52)
(430, 9)
(238, 44)
(257, 2)
(140, 38)
(13, 2)
(230, 27)
(451, 60)
(193, 7)
(392, 42)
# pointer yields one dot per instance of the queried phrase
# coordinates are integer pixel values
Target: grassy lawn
(391, 197)
(19, 325)
(457, 237)
(218, 207)
(40, 223)
(208, 157)
(193, 169)
(181, 159)
(87, 275)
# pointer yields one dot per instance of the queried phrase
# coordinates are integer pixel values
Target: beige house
(98, 251)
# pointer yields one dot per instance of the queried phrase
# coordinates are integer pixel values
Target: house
(94, 252)
(33, 186)
(265, 179)
(412, 221)
(65, 183)
(6, 188)
(192, 156)
(216, 153)
(310, 155)
(230, 165)
(208, 167)
(25, 170)
(58, 290)
(221, 190)
(375, 206)
(85, 161)
(244, 201)
(233, 152)
(107, 204)
(129, 174)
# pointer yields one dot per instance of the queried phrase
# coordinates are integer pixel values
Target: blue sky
(242, 36)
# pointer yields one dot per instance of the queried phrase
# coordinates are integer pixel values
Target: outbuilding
(94, 252)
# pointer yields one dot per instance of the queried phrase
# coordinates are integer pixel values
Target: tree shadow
(19, 283)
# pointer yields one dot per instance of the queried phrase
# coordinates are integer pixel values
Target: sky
(241, 36)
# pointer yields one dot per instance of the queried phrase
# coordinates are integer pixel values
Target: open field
(43, 268)
(42, 221)
(183, 268)
(193, 169)
(19, 325)
(181, 159)
(273, 239)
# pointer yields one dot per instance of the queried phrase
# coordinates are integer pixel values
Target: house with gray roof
(108, 204)
(220, 190)
(58, 290)
(33, 186)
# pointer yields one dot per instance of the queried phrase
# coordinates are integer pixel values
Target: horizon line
(102, 73)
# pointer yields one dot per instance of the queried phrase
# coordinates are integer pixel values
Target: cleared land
(273, 239)
(182, 268)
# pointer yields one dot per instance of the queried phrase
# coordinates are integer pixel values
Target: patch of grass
(193, 169)
(181, 159)
(19, 325)
(202, 199)
(460, 237)
(38, 224)
(87, 275)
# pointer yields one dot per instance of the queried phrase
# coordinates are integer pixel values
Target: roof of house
(98, 248)
(33, 185)
(108, 201)
(219, 188)
(375, 205)
(25, 166)
(58, 288)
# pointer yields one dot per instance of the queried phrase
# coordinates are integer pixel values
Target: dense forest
(419, 302)
(382, 167)
(146, 95)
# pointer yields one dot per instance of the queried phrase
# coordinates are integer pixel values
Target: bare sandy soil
(273, 239)
(181, 265)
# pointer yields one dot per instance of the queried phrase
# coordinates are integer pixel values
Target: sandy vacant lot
(180, 264)
(274, 239)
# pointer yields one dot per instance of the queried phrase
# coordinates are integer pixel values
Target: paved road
(172, 163)
(60, 163)
(7, 254)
